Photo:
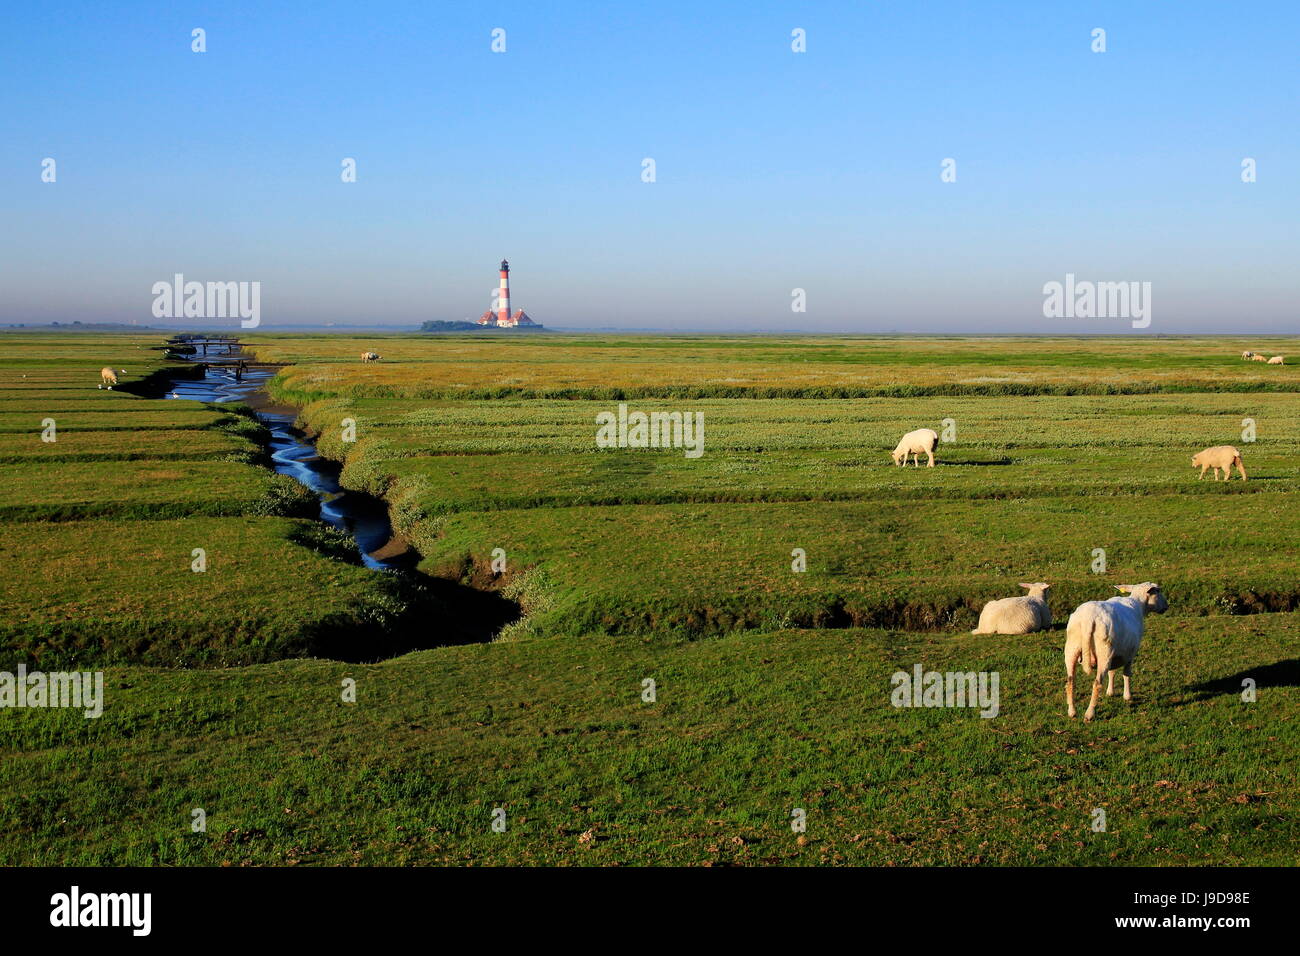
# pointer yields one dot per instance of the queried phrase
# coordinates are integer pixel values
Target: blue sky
(775, 170)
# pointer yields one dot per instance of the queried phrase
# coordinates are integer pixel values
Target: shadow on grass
(991, 461)
(424, 613)
(1278, 674)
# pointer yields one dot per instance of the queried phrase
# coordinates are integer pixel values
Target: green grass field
(99, 527)
(773, 686)
(744, 730)
(567, 366)
(1028, 489)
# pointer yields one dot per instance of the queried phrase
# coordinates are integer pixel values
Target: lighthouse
(503, 297)
(502, 318)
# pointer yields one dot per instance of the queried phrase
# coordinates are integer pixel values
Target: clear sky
(775, 170)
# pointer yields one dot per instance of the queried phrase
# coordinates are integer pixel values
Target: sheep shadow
(978, 464)
(1278, 674)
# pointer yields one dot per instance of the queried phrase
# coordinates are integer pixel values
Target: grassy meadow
(568, 366)
(98, 527)
(744, 729)
(772, 686)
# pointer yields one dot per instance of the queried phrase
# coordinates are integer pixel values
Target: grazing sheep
(1220, 458)
(1106, 635)
(107, 377)
(1277, 360)
(913, 443)
(370, 356)
(1018, 615)
(1247, 356)
(1256, 357)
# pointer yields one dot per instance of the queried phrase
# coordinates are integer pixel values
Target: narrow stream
(363, 517)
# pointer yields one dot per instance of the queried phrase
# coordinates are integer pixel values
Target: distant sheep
(1106, 635)
(107, 377)
(1247, 356)
(1277, 360)
(370, 356)
(1256, 357)
(1220, 458)
(913, 443)
(1018, 615)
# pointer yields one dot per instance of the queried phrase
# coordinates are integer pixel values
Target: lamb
(913, 443)
(1018, 615)
(1277, 360)
(1220, 458)
(370, 356)
(1106, 635)
(107, 377)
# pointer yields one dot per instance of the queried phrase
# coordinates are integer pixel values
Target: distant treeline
(76, 327)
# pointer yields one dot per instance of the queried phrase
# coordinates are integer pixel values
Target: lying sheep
(913, 443)
(1018, 615)
(107, 377)
(1106, 635)
(1277, 360)
(1220, 458)
(1256, 357)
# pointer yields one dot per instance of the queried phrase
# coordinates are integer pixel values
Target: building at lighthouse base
(519, 318)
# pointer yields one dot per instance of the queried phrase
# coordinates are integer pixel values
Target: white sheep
(1256, 357)
(1247, 356)
(913, 443)
(1106, 635)
(1220, 458)
(107, 377)
(1277, 360)
(370, 356)
(1018, 615)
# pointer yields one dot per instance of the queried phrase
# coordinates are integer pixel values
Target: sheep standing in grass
(1247, 356)
(1106, 635)
(913, 443)
(370, 356)
(1277, 360)
(1018, 615)
(107, 377)
(1220, 458)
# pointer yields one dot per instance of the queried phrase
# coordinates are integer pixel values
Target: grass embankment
(714, 568)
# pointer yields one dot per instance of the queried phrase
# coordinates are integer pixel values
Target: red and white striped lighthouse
(502, 318)
(503, 297)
